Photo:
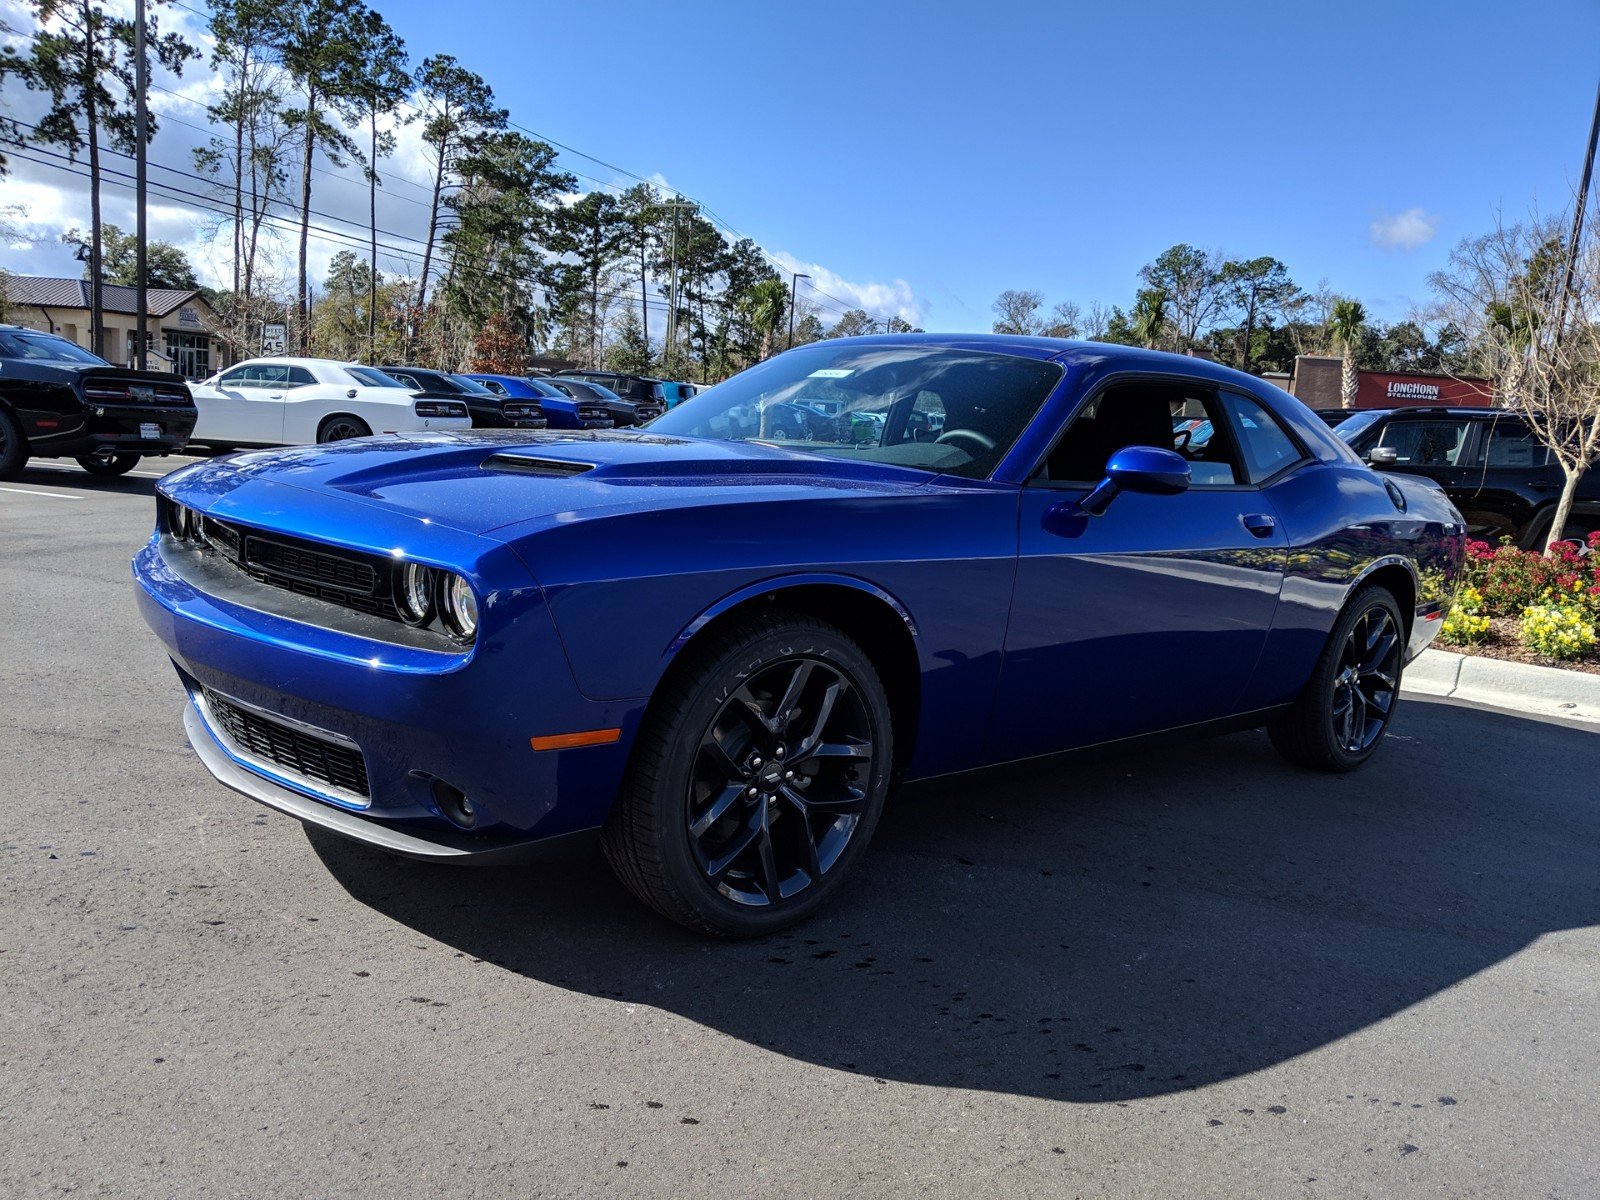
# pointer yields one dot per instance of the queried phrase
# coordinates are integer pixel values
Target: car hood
(499, 481)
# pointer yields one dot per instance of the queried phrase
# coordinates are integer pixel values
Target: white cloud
(1403, 230)
(832, 291)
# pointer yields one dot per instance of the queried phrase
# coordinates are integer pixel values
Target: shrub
(1558, 630)
(1465, 623)
(1513, 579)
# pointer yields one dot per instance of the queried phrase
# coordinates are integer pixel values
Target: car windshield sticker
(831, 373)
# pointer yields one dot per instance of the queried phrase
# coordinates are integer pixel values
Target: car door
(1512, 476)
(1437, 445)
(1152, 615)
(305, 403)
(250, 411)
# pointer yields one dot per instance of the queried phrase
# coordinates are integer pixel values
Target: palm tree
(766, 305)
(1347, 320)
(1150, 316)
(1515, 324)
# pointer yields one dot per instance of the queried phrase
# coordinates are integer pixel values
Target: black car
(488, 410)
(1501, 477)
(624, 412)
(646, 394)
(1334, 417)
(59, 401)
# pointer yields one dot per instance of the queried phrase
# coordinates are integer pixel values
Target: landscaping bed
(1527, 607)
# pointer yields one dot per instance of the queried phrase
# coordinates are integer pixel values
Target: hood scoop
(528, 464)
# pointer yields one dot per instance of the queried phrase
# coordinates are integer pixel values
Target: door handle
(1544, 486)
(1260, 524)
(275, 396)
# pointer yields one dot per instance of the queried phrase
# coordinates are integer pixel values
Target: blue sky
(927, 156)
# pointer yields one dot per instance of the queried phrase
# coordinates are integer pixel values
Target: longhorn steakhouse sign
(1378, 389)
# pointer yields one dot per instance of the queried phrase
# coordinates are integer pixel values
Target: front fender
(768, 587)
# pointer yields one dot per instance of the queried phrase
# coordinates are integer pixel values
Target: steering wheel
(954, 437)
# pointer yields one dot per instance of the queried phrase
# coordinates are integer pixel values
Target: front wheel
(757, 779)
(13, 447)
(1342, 715)
(108, 462)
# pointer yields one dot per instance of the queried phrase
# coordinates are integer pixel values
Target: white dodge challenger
(295, 401)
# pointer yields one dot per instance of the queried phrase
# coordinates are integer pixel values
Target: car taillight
(439, 408)
(522, 411)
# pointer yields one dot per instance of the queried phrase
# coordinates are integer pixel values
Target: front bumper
(415, 716)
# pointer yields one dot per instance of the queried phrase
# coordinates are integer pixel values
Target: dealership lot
(1192, 970)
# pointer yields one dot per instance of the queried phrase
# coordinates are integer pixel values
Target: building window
(190, 354)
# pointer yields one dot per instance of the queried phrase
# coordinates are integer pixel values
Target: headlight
(458, 607)
(184, 523)
(414, 596)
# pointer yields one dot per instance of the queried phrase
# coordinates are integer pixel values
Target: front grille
(296, 751)
(300, 564)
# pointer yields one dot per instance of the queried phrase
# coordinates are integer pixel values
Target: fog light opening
(453, 803)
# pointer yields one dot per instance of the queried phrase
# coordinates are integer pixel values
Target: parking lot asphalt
(1190, 970)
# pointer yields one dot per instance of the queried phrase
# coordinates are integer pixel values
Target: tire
(108, 464)
(1321, 730)
(341, 427)
(13, 447)
(720, 801)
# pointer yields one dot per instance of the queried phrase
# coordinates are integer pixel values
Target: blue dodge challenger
(719, 642)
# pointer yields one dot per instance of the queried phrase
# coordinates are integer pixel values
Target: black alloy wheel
(342, 428)
(780, 781)
(13, 447)
(1344, 711)
(108, 462)
(1369, 674)
(757, 778)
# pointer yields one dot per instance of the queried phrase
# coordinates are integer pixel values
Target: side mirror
(1383, 456)
(1146, 470)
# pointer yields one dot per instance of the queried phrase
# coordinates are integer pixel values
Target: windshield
(937, 409)
(1350, 430)
(23, 343)
(373, 377)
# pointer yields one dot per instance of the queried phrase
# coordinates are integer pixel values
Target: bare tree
(1065, 321)
(1502, 291)
(1017, 312)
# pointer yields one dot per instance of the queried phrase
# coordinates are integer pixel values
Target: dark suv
(59, 401)
(1501, 477)
(647, 396)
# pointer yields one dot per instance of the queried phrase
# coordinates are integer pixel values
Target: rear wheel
(108, 462)
(1344, 711)
(339, 428)
(757, 779)
(13, 447)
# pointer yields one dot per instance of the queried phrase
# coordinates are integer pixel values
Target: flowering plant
(1465, 623)
(1558, 630)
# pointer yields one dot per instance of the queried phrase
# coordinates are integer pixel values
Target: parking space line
(52, 495)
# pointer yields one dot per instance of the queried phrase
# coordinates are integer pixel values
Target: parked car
(489, 409)
(720, 652)
(557, 409)
(1489, 463)
(624, 413)
(647, 395)
(1335, 417)
(676, 393)
(291, 401)
(59, 401)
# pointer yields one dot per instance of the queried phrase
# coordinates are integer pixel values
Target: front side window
(1264, 445)
(877, 403)
(1425, 443)
(499, 389)
(1185, 418)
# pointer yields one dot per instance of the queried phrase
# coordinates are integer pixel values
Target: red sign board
(1379, 389)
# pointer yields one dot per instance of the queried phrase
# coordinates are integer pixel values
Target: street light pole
(141, 133)
(794, 292)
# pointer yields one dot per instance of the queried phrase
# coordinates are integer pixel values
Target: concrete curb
(1544, 691)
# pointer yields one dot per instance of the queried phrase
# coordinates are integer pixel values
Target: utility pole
(1577, 219)
(794, 292)
(141, 282)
